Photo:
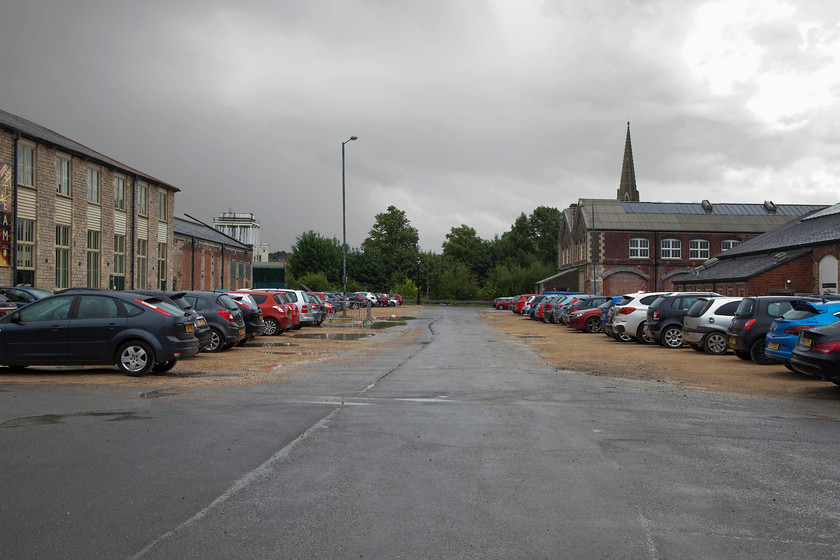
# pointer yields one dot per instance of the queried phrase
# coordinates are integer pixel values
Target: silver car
(704, 326)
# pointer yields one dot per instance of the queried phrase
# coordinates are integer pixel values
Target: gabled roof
(187, 226)
(43, 135)
(739, 269)
(617, 215)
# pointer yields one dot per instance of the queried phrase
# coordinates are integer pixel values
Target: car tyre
(593, 325)
(135, 358)
(354, 305)
(672, 337)
(163, 367)
(642, 338)
(757, 353)
(622, 337)
(272, 327)
(217, 341)
(715, 344)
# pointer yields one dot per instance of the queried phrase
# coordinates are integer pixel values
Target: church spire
(627, 190)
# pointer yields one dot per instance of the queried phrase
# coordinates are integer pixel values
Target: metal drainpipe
(655, 263)
(134, 227)
(192, 263)
(222, 272)
(15, 211)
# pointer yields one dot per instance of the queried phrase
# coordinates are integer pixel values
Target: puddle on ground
(158, 394)
(47, 419)
(386, 324)
(334, 336)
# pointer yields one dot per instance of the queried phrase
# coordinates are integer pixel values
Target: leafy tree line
(468, 268)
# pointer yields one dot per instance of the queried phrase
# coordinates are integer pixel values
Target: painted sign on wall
(6, 216)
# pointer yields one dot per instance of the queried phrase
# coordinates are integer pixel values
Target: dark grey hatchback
(138, 334)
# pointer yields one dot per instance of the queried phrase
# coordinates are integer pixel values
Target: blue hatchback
(784, 332)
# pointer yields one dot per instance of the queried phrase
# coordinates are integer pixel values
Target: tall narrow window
(142, 200)
(25, 252)
(26, 165)
(232, 269)
(162, 205)
(93, 254)
(142, 256)
(162, 265)
(119, 262)
(639, 248)
(62, 176)
(62, 257)
(93, 185)
(119, 193)
(698, 249)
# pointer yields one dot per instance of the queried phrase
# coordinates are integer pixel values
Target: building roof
(617, 215)
(739, 269)
(187, 226)
(43, 135)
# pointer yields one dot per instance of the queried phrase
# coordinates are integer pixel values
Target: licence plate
(241, 331)
(188, 328)
(806, 341)
(732, 340)
(773, 345)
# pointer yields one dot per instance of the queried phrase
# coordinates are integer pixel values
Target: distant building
(800, 256)
(244, 227)
(207, 259)
(615, 246)
(73, 217)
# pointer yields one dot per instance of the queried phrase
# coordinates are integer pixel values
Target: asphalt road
(457, 444)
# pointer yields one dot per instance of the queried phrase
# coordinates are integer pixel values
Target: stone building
(73, 217)
(207, 259)
(621, 245)
(242, 226)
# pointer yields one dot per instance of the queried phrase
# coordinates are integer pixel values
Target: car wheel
(744, 355)
(163, 367)
(715, 343)
(217, 341)
(757, 353)
(672, 337)
(271, 327)
(135, 358)
(623, 337)
(593, 324)
(642, 338)
(354, 305)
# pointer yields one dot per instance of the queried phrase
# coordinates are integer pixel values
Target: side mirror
(15, 317)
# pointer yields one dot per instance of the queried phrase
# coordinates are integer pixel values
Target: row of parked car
(801, 332)
(144, 330)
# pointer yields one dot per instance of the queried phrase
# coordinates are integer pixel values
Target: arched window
(639, 248)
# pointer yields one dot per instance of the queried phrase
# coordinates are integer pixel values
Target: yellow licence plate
(241, 331)
(188, 328)
(773, 346)
(806, 341)
(732, 340)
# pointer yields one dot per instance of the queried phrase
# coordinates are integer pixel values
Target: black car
(227, 327)
(749, 327)
(23, 295)
(251, 314)
(665, 316)
(136, 333)
(202, 329)
(817, 353)
(356, 300)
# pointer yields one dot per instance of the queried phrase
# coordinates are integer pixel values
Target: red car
(588, 320)
(277, 314)
(519, 302)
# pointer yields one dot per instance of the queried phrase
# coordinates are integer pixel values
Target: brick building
(73, 217)
(207, 259)
(621, 245)
(800, 256)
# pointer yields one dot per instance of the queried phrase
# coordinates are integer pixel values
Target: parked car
(749, 327)
(546, 308)
(705, 324)
(582, 301)
(201, 328)
(518, 302)
(502, 302)
(356, 300)
(784, 331)
(308, 315)
(630, 314)
(588, 318)
(252, 315)
(276, 312)
(664, 319)
(6, 306)
(560, 305)
(397, 298)
(136, 333)
(817, 353)
(23, 295)
(316, 307)
(534, 304)
(227, 327)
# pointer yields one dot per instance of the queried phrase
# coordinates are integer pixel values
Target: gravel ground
(596, 354)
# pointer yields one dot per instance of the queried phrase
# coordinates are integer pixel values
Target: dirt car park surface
(596, 354)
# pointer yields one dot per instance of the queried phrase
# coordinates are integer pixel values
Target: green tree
(463, 245)
(314, 253)
(315, 281)
(546, 224)
(367, 270)
(395, 241)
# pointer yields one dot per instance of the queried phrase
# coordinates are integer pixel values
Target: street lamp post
(344, 228)
(418, 280)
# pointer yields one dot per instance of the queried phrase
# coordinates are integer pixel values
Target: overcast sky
(467, 112)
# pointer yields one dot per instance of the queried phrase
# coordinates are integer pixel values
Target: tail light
(749, 324)
(304, 308)
(227, 315)
(279, 309)
(796, 329)
(656, 315)
(626, 310)
(827, 347)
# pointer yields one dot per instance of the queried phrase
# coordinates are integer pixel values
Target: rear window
(647, 300)
(745, 308)
(624, 300)
(227, 303)
(728, 309)
(700, 306)
(778, 308)
(657, 302)
(797, 314)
